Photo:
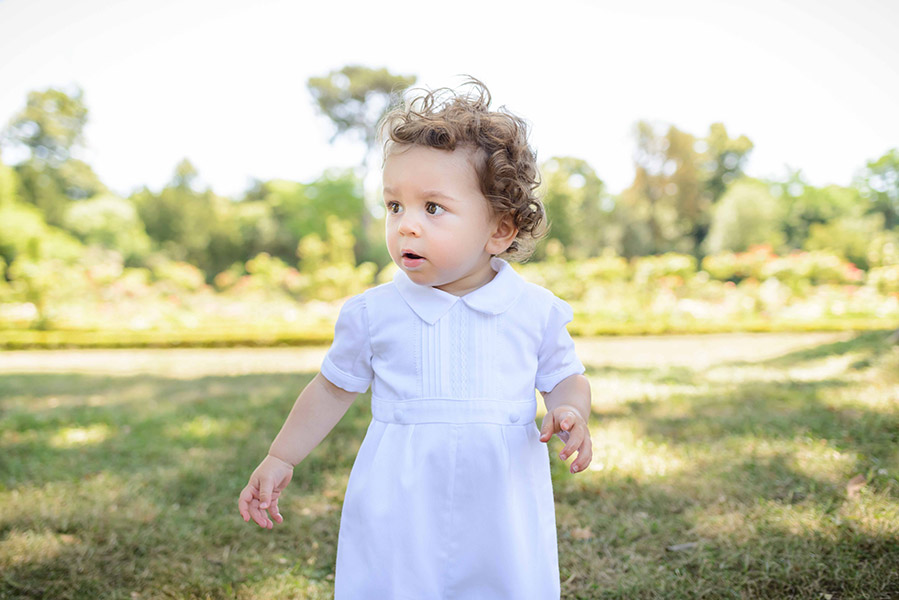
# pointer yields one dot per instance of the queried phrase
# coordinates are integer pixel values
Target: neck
(469, 283)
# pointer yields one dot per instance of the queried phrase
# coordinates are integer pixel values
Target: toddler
(450, 495)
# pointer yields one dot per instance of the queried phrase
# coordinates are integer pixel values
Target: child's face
(439, 227)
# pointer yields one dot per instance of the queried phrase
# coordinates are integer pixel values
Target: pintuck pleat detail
(457, 355)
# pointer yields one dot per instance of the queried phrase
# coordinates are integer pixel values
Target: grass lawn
(725, 466)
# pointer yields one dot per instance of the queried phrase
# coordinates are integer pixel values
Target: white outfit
(450, 496)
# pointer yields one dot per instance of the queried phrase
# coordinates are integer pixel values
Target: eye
(433, 208)
(393, 207)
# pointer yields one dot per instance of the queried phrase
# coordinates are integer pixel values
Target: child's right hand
(262, 492)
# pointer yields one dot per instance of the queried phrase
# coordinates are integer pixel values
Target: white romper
(450, 496)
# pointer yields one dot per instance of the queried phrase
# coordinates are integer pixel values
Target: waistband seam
(460, 400)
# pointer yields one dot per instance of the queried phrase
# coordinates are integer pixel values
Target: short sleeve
(556, 359)
(348, 362)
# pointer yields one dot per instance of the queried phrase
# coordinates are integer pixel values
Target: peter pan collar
(493, 298)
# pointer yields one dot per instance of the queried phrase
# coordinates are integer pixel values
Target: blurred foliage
(693, 240)
(847, 236)
(355, 99)
(111, 222)
(760, 263)
(573, 194)
(327, 269)
(191, 225)
(678, 179)
(747, 215)
(295, 210)
(47, 133)
(879, 185)
(883, 249)
(50, 125)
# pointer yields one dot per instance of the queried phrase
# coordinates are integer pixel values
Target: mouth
(410, 259)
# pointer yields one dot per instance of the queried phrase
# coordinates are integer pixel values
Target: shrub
(883, 249)
(884, 279)
(182, 275)
(607, 267)
(671, 264)
(815, 268)
(730, 266)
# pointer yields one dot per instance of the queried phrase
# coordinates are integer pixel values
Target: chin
(417, 276)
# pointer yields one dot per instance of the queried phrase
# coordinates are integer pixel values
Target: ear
(504, 232)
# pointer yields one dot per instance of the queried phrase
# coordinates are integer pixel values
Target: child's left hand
(572, 429)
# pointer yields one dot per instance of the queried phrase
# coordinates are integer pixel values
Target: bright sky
(813, 83)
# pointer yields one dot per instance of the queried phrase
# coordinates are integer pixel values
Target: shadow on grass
(869, 344)
(766, 531)
(121, 486)
(114, 485)
(140, 422)
(758, 491)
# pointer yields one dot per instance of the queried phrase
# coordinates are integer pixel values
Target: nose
(409, 226)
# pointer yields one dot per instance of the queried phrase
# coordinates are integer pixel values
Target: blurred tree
(9, 184)
(849, 236)
(297, 210)
(35, 257)
(185, 175)
(50, 125)
(788, 192)
(23, 230)
(46, 133)
(195, 226)
(879, 185)
(576, 206)
(258, 229)
(328, 266)
(723, 159)
(653, 196)
(747, 215)
(355, 98)
(806, 206)
(112, 222)
(677, 181)
(883, 249)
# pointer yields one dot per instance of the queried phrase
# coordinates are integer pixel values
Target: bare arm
(568, 413)
(573, 391)
(316, 411)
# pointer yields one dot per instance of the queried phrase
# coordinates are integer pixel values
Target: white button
(398, 415)
(514, 417)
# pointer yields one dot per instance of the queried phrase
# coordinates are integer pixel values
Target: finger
(568, 421)
(575, 438)
(243, 502)
(584, 456)
(258, 514)
(265, 492)
(255, 513)
(548, 427)
(275, 512)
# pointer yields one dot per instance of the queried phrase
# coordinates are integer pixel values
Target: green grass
(227, 336)
(123, 484)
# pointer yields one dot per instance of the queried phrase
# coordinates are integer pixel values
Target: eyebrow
(426, 194)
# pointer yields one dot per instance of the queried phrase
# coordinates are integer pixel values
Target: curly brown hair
(505, 165)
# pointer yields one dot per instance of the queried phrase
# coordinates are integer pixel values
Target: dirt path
(696, 351)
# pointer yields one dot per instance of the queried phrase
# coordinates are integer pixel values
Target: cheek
(393, 241)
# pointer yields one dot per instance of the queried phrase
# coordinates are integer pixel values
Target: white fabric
(450, 496)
